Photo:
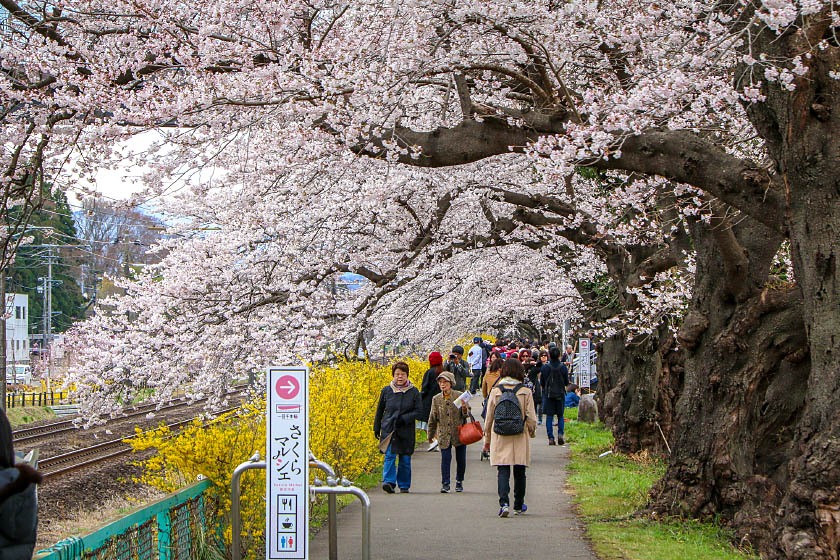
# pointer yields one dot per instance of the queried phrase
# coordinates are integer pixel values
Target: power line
(125, 221)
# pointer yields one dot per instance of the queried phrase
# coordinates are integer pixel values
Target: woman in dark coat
(399, 406)
(18, 504)
(430, 388)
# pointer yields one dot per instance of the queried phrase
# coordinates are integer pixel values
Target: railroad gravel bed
(74, 502)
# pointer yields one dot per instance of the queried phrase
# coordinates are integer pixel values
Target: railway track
(29, 434)
(98, 453)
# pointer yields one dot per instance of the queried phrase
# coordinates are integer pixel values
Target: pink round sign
(287, 387)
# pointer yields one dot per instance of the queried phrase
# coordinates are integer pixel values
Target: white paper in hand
(462, 399)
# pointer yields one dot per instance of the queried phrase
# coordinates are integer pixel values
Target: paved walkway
(426, 524)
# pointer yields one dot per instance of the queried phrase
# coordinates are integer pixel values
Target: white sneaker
(433, 445)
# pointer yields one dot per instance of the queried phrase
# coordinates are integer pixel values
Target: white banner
(287, 473)
(584, 369)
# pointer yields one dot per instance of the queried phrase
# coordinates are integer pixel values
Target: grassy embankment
(21, 415)
(610, 489)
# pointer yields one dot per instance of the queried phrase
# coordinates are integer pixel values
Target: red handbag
(470, 432)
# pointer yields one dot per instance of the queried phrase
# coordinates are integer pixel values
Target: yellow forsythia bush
(342, 405)
(213, 452)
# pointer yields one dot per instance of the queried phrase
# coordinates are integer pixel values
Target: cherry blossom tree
(389, 139)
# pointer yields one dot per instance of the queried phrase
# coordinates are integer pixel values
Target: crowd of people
(520, 384)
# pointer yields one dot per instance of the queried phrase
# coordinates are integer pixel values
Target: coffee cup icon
(287, 524)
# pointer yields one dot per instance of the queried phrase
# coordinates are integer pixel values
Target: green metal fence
(165, 530)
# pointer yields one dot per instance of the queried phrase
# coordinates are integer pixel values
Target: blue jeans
(475, 382)
(391, 474)
(446, 463)
(552, 407)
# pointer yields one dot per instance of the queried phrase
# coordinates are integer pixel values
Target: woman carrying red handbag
(444, 423)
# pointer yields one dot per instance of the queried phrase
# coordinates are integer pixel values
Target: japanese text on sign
(287, 475)
(585, 364)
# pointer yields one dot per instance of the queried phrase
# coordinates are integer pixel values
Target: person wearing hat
(458, 367)
(398, 408)
(428, 389)
(475, 357)
(444, 421)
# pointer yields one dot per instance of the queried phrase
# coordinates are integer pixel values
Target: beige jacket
(489, 378)
(445, 419)
(511, 450)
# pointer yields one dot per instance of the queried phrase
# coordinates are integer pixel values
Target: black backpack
(508, 419)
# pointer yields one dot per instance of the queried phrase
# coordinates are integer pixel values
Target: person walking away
(510, 425)
(399, 406)
(458, 367)
(491, 378)
(486, 348)
(533, 373)
(554, 377)
(443, 426)
(18, 501)
(494, 371)
(475, 358)
(428, 389)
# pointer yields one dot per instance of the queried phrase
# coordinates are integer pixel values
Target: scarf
(402, 389)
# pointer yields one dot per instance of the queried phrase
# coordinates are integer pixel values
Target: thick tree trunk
(801, 128)
(809, 524)
(638, 386)
(746, 370)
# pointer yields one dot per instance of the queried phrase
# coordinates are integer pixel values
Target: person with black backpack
(510, 424)
(554, 376)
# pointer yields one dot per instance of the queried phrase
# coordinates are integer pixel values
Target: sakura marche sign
(287, 464)
(584, 363)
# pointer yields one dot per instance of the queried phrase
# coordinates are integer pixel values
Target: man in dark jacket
(18, 505)
(554, 376)
(458, 367)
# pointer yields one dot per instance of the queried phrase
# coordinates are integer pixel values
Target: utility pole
(3, 369)
(47, 342)
(46, 290)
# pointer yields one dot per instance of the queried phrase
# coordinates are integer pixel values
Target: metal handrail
(331, 492)
(235, 516)
(334, 487)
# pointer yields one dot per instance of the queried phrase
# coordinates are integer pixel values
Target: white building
(17, 328)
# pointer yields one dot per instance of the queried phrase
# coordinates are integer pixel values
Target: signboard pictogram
(287, 387)
(287, 464)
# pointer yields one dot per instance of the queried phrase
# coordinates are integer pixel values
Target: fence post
(164, 536)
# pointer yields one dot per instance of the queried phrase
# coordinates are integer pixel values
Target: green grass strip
(19, 416)
(608, 490)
